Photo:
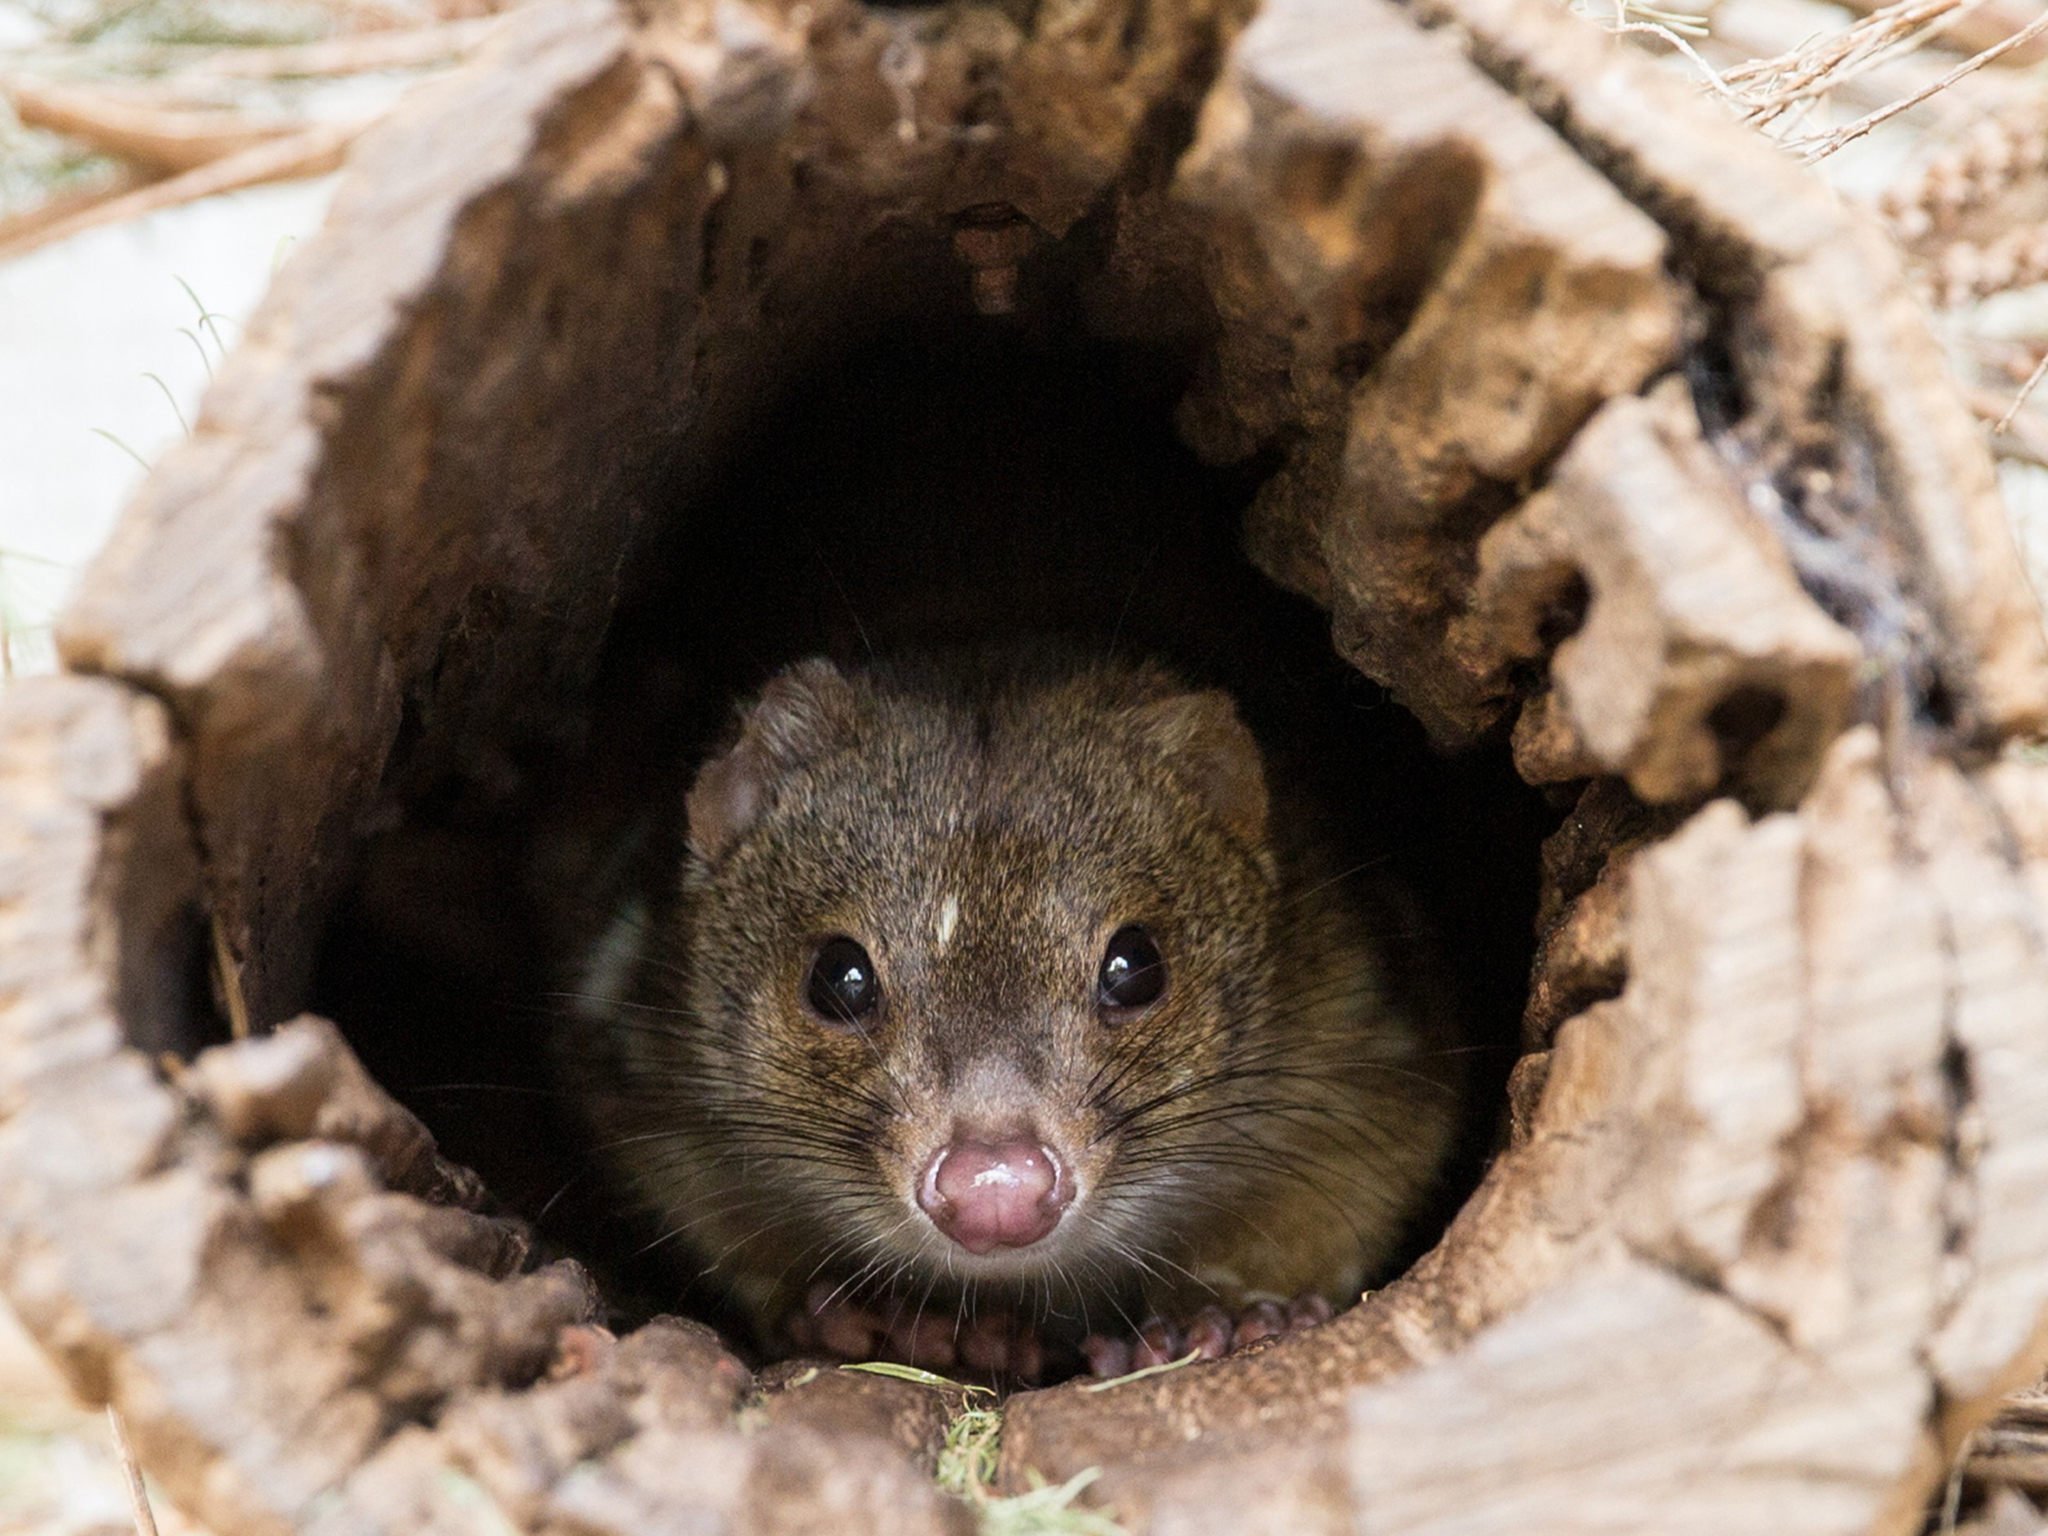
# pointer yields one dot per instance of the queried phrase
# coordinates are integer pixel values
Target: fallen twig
(129, 125)
(18, 228)
(1983, 26)
(2022, 440)
(1827, 144)
(314, 152)
(2019, 400)
(178, 67)
(410, 48)
(1768, 88)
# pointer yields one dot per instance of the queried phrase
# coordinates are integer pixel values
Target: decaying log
(1434, 229)
(1583, 411)
(1821, 330)
(1692, 613)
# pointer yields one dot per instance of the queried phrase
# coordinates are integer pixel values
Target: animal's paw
(1211, 1334)
(843, 1327)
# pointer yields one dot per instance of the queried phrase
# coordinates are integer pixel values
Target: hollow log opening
(827, 371)
(947, 480)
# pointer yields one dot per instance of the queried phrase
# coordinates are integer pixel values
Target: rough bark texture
(1587, 410)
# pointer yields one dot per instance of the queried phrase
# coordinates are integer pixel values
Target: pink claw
(1107, 1355)
(1209, 1333)
(835, 1325)
(1261, 1320)
(1309, 1310)
(1158, 1344)
(925, 1341)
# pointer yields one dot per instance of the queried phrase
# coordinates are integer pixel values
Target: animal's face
(978, 972)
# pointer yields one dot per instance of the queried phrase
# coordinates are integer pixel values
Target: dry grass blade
(2024, 437)
(1983, 26)
(1140, 1374)
(911, 1373)
(229, 971)
(2019, 400)
(138, 1495)
(1826, 144)
(1768, 88)
(1674, 39)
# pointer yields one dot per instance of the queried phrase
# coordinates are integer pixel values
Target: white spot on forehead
(608, 975)
(949, 919)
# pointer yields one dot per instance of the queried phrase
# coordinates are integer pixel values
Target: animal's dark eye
(842, 987)
(1133, 972)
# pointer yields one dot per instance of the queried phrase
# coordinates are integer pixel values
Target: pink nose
(989, 1195)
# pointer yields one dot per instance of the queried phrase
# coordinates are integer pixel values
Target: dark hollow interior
(934, 478)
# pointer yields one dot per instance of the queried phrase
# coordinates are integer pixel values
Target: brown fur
(1269, 1126)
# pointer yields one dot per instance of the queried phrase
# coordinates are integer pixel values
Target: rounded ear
(804, 712)
(1213, 753)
